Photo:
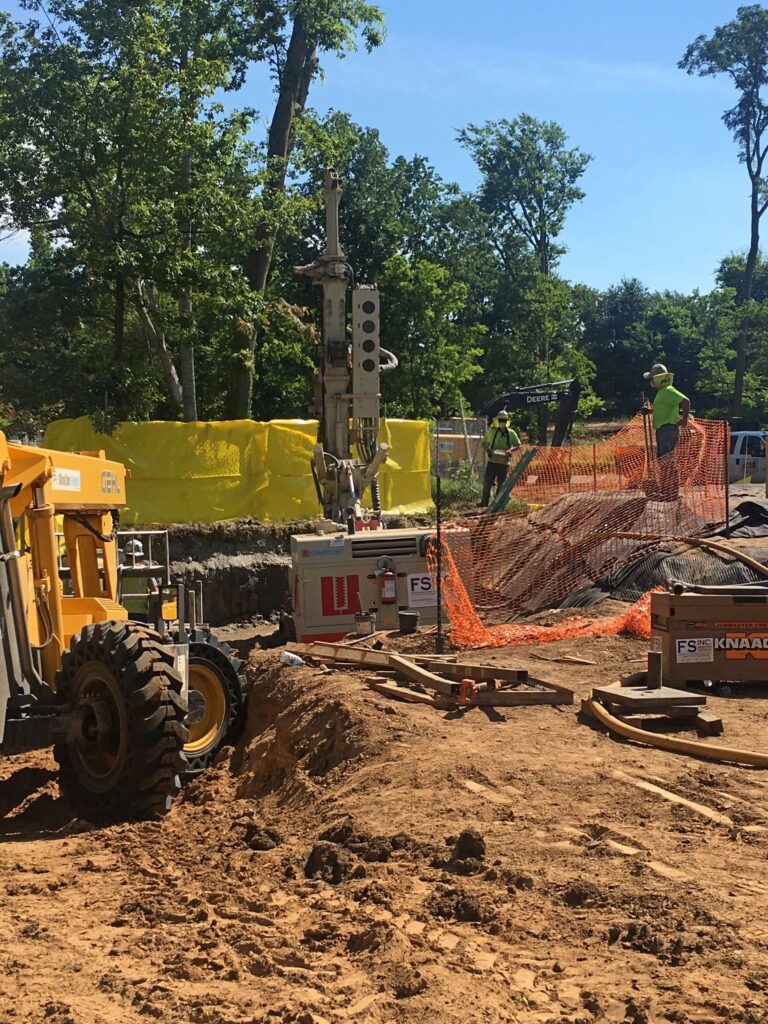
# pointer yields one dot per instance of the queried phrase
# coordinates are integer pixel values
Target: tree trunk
(187, 361)
(187, 348)
(119, 315)
(146, 302)
(746, 295)
(295, 79)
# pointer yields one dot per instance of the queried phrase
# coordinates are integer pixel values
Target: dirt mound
(301, 726)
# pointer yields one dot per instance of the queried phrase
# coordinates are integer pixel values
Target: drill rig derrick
(347, 457)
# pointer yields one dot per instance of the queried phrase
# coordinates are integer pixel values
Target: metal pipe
(726, 452)
(15, 585)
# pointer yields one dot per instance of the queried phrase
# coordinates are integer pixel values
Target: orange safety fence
(600, 507)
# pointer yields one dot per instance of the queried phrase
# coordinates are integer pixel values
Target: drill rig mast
(347, 457)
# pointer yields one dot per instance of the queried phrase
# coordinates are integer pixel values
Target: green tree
(437, 355)
(739, 50)
(114, 146)
(529, 182)
(308, 28)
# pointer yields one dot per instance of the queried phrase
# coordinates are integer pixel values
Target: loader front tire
(124, 756)
(216, 699)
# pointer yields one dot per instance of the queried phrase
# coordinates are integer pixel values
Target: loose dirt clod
(332, 863)
(469, 845)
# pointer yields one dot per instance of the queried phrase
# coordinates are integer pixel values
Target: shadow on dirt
(30, 806)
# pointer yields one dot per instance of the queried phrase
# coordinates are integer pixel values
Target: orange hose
(727, 755)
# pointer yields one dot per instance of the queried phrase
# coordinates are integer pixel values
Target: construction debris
(438, 681)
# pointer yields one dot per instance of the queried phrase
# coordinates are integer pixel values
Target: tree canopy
(164, 230)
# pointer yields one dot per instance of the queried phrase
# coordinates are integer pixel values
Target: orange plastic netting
(601, 506)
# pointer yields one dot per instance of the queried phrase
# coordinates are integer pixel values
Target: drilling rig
(353, 567)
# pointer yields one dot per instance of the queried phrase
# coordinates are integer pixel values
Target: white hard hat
(655, 370)
(134, 547)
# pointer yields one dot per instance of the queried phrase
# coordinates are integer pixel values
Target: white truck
(746, 459)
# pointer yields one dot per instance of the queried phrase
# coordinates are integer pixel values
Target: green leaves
(529, 180)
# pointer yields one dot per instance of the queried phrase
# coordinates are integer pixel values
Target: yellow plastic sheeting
(206, 472)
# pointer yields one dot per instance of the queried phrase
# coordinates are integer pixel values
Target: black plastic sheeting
(671, 561)
(748, 519)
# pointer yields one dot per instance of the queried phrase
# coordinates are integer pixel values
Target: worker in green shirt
(671, 409)
(499, 442)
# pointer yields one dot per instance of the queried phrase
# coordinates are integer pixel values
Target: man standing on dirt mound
(671, 409)
(499, 443)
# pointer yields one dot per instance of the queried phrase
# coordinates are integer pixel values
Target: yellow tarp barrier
(206, 472)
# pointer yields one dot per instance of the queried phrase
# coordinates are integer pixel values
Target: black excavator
(565, 392)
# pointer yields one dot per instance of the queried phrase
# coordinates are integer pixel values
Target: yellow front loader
(109, 694)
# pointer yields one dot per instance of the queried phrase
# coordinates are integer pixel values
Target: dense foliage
(164, 232)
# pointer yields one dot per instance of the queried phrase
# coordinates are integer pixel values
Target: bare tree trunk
(148, 308)
(295, 79)
(746, 295)
(187, 349)
(119, 315)
(187, 352)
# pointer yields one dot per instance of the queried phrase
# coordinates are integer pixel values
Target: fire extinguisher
(387, 586)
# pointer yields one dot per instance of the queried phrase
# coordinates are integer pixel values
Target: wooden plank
(629, 715)
(518, 698)
(637, 700)
(567, 659)
(332, 653)
(418, 674)
(673, 798)
(402, 693)
(709, 724)
(480, 673)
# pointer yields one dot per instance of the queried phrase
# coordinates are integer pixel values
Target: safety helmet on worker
(134, 548)
(502, 415)
(655, 371)
(658, 375)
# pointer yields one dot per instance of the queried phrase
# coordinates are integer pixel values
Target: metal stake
(726, 447)
(439, 542)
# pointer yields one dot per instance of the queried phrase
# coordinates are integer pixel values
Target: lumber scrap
(389, 689)
(518, 698)
(566, 659)
(333, 653)
(418, 674)
(708, 724)
(480, 673)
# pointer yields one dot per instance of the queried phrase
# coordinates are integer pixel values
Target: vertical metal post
(439, 647)
(726, 452)
(570, 466)
(594, 467)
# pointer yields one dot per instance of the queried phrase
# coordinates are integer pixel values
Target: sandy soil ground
(312, 875)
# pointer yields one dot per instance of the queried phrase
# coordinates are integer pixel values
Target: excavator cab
(76, 673)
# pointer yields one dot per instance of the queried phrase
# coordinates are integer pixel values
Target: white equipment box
(337, 576)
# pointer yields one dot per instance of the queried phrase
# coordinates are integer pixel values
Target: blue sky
(666, 196)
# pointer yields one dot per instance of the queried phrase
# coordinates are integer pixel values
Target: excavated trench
(243, 567)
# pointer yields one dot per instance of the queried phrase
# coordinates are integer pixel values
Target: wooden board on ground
(518, 698)
(403, 693)
(480, 673)
(419, 674)
(638, 700)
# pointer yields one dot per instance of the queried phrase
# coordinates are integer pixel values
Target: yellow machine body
(84, 489)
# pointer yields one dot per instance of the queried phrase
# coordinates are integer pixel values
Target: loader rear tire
(216, 699)
(125, 759)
